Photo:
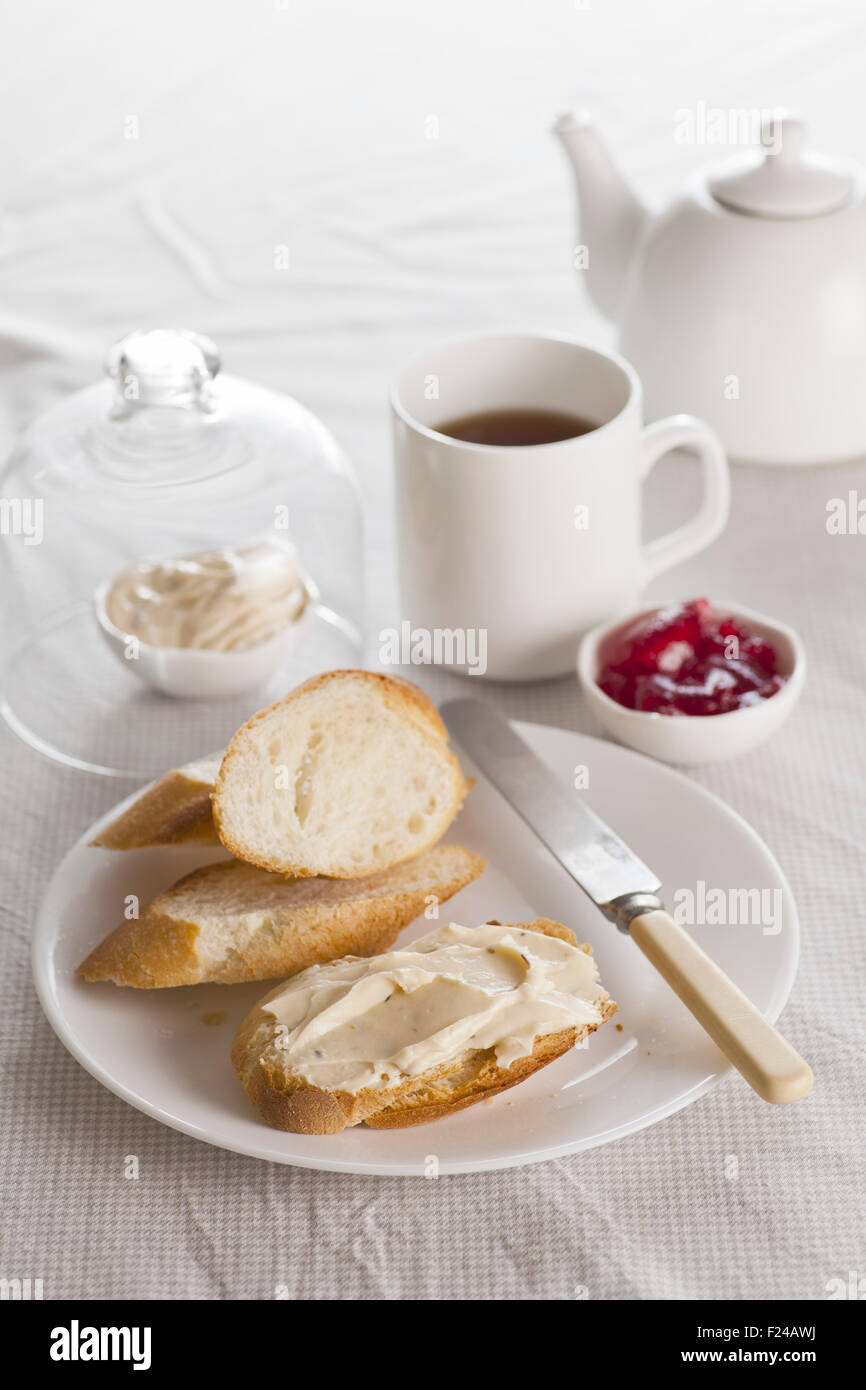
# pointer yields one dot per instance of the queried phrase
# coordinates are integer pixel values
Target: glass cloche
(180, 548)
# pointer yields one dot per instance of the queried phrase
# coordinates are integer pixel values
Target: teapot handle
(685, 431)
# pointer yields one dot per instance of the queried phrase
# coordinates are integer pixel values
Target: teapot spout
(611, 216)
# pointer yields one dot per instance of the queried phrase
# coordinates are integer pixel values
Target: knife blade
(626, 891)
(593, 854)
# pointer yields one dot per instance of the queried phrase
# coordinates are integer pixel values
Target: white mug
(518, 550)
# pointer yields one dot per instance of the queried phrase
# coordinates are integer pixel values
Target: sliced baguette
(348, 775)
(287, 1101)
(231, 922)
(176, 810)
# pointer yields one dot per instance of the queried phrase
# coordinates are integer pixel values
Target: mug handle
(709, 520)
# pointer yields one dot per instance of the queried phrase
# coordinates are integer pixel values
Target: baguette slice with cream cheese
(231, 922)
(176, 810)
(348, 775)
(324, 1050)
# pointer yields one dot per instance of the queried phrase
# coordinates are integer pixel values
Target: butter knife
(627, 893)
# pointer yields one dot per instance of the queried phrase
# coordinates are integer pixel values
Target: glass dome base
(66, 695)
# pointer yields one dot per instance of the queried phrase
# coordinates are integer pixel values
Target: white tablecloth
(307, 125)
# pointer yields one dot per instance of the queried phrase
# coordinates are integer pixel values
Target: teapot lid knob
(783, 179)
(783, 136)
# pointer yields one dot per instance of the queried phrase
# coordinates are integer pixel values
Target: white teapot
(744, 301)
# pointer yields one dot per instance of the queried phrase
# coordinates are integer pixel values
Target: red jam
(687, 660)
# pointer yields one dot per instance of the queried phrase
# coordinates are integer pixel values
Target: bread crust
(175, 810)
(399, 695)
(312, 922)
(149, 953)
(289, 1103)
(492, 1079)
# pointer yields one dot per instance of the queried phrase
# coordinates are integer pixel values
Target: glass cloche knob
(162, 366)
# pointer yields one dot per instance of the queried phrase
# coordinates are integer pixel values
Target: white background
(307, 126)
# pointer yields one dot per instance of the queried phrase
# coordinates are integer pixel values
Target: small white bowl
(191, 673)
(697, 738)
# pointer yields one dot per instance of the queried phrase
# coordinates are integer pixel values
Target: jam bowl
(727, 702)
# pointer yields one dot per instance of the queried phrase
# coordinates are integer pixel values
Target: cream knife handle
(756, 1049)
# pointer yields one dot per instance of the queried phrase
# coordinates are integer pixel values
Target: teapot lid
(783, 179)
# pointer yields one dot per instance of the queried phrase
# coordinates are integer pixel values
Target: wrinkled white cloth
(161, 157)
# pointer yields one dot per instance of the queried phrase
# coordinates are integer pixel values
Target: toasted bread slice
(288, 1101)
(176, 810)
(348, 775)
(231, 922)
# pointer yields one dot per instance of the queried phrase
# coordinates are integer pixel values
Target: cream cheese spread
(220, 600)
(360, 1023)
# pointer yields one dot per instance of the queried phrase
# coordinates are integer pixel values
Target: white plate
(163, 1051)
